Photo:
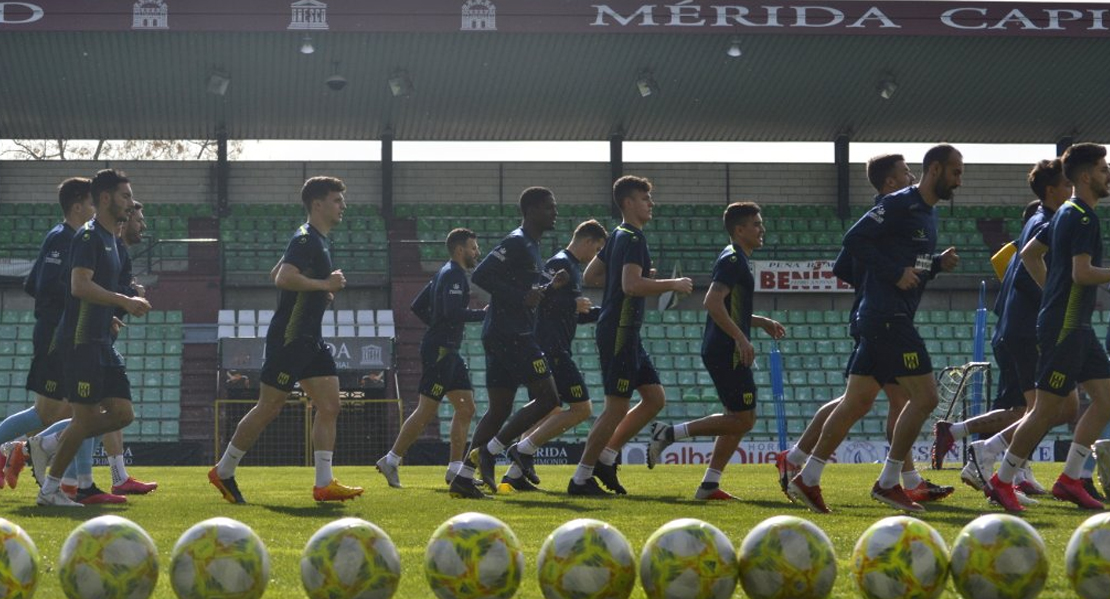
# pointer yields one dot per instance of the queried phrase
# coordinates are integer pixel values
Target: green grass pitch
(282, 512)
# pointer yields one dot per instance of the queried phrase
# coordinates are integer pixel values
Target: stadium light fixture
(218, 82)
(400, 84)
(646, 84)
(306, 45)
(887, 87)
(734, 47)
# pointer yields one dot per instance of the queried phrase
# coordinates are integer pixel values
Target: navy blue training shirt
(1019, 298)
(443, 305)
(45, 284)
(299, 313)
(558, 317)
(508, 273)
(94, 248)
(622, 315)
(733, 271)
(1067, 306)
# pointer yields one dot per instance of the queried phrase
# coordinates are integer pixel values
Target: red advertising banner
(993, 19)
(809, 276)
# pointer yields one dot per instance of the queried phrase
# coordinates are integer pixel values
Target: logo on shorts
(749, 397)
(84, 389)
(622, 385)
(51, 386)
(540, 366)
(911, 360)
(437, 389)
(1056, 379)
(283, 378)
(576, 391)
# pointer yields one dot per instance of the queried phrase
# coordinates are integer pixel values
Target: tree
(108, 149)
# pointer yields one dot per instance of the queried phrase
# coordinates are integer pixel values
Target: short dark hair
(1044, 174)
(880, 168)
(737, 213)
(1030, 209)
(532, 197)
(592, 230)
(107, 180)
(458, 237)
(319, 187)
(1079, 159)
(623, 188)
(73, 191)
(938, 153)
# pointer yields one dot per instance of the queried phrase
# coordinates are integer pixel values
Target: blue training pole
(778, 391)
(979, 350)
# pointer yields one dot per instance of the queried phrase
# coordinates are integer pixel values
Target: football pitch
(283, 514)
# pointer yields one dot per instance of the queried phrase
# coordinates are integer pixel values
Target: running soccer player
(45, 284)
(1015, 349)
(1070, 351)
(895, 241)
(560, 313)
(887, 173)
(96, 382)
(512, 274)
(624, 267)
(443, 305)
(726, 351)
(295, 350)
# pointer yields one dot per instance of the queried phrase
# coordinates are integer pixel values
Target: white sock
(466, 472)
(890, 475)
(796, 456)
(119, 469)
(514, 471)
(996, 445)
(608, 456)
(1088, 470)
(527, 447)
(392, 459)
(229, 462)
(680, 432)
(84, 481)
(69, 482)
(495, 447)
(1010, 466)
(453, 467)
(811, 471)
(1077, 454)
(50, 443)
(711, 476)
(51, 485)
(322, 459)
(958, 430)
(1020, 475)
(911, 479)
(583, 473)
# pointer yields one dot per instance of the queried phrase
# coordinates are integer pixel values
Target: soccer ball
(473, 556)
(688, 559)
(19, 562)
(586, 559)
(787, 558)
(108, 557)
(1088, 557)
(998, 556)
(219, 557)
(350, 559)
(900, 558)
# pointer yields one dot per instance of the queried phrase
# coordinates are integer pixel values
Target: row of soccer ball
(476, 556)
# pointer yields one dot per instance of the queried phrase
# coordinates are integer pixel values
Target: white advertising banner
(797, 276)
(763, 452)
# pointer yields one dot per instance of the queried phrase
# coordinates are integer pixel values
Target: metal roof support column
(1064, 143)
(843, 189)
(223, 172)
(616, 165)
(387, 176)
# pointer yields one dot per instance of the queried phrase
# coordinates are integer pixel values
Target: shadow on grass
(79, 514)
(315, 510)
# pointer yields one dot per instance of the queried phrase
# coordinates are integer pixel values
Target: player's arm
(1084, 273)
(48, 279)
(456, 300)
(587, 312)
(85, 289)
(773, 327)
(862, 241)
(492, 274)
(635, 284)
(1032, 257)
(421, 306)
(595, 273)
(714, 303)
(290, 278)
(274, 270)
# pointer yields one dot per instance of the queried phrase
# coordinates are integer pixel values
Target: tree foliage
(125, 149)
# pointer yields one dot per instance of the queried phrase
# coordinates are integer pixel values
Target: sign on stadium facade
(484, 17)
(797, 276)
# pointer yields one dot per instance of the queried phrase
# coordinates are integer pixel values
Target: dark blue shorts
(444, 371)
(625, 370)
(889, 348)
(93, 373)
(302, 358)
(1017, 372)
(568, 380)
(1070, 359)
(734, 382)
(47, 376)
(513, 360)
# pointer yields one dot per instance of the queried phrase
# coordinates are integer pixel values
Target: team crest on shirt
(303, 239)
(86, 236)
(1085, 220)
(919, 235)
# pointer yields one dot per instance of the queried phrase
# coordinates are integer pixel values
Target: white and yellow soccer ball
(108, 557)
(19, 562)
(900, 558)
(688, 559)
(586, 559)
(1087, 558)
(350, 558)
(999, 556)
(473, 556)
(219, 557)
(785, 557)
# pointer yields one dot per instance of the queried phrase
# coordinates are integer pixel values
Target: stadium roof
(958, 73)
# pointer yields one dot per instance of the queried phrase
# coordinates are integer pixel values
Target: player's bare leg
(324, 393)
(614, 412)
(271, 401)
(652, 400)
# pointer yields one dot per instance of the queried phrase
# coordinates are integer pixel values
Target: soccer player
(443, 305)
(295, 350)
(1015, 348)
(895, 241)
(45, 284)
(887, 173)
(1070, 351)
(726, 351)
(560, 313)
(96, 382)
(512, 274)
(624, 267)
